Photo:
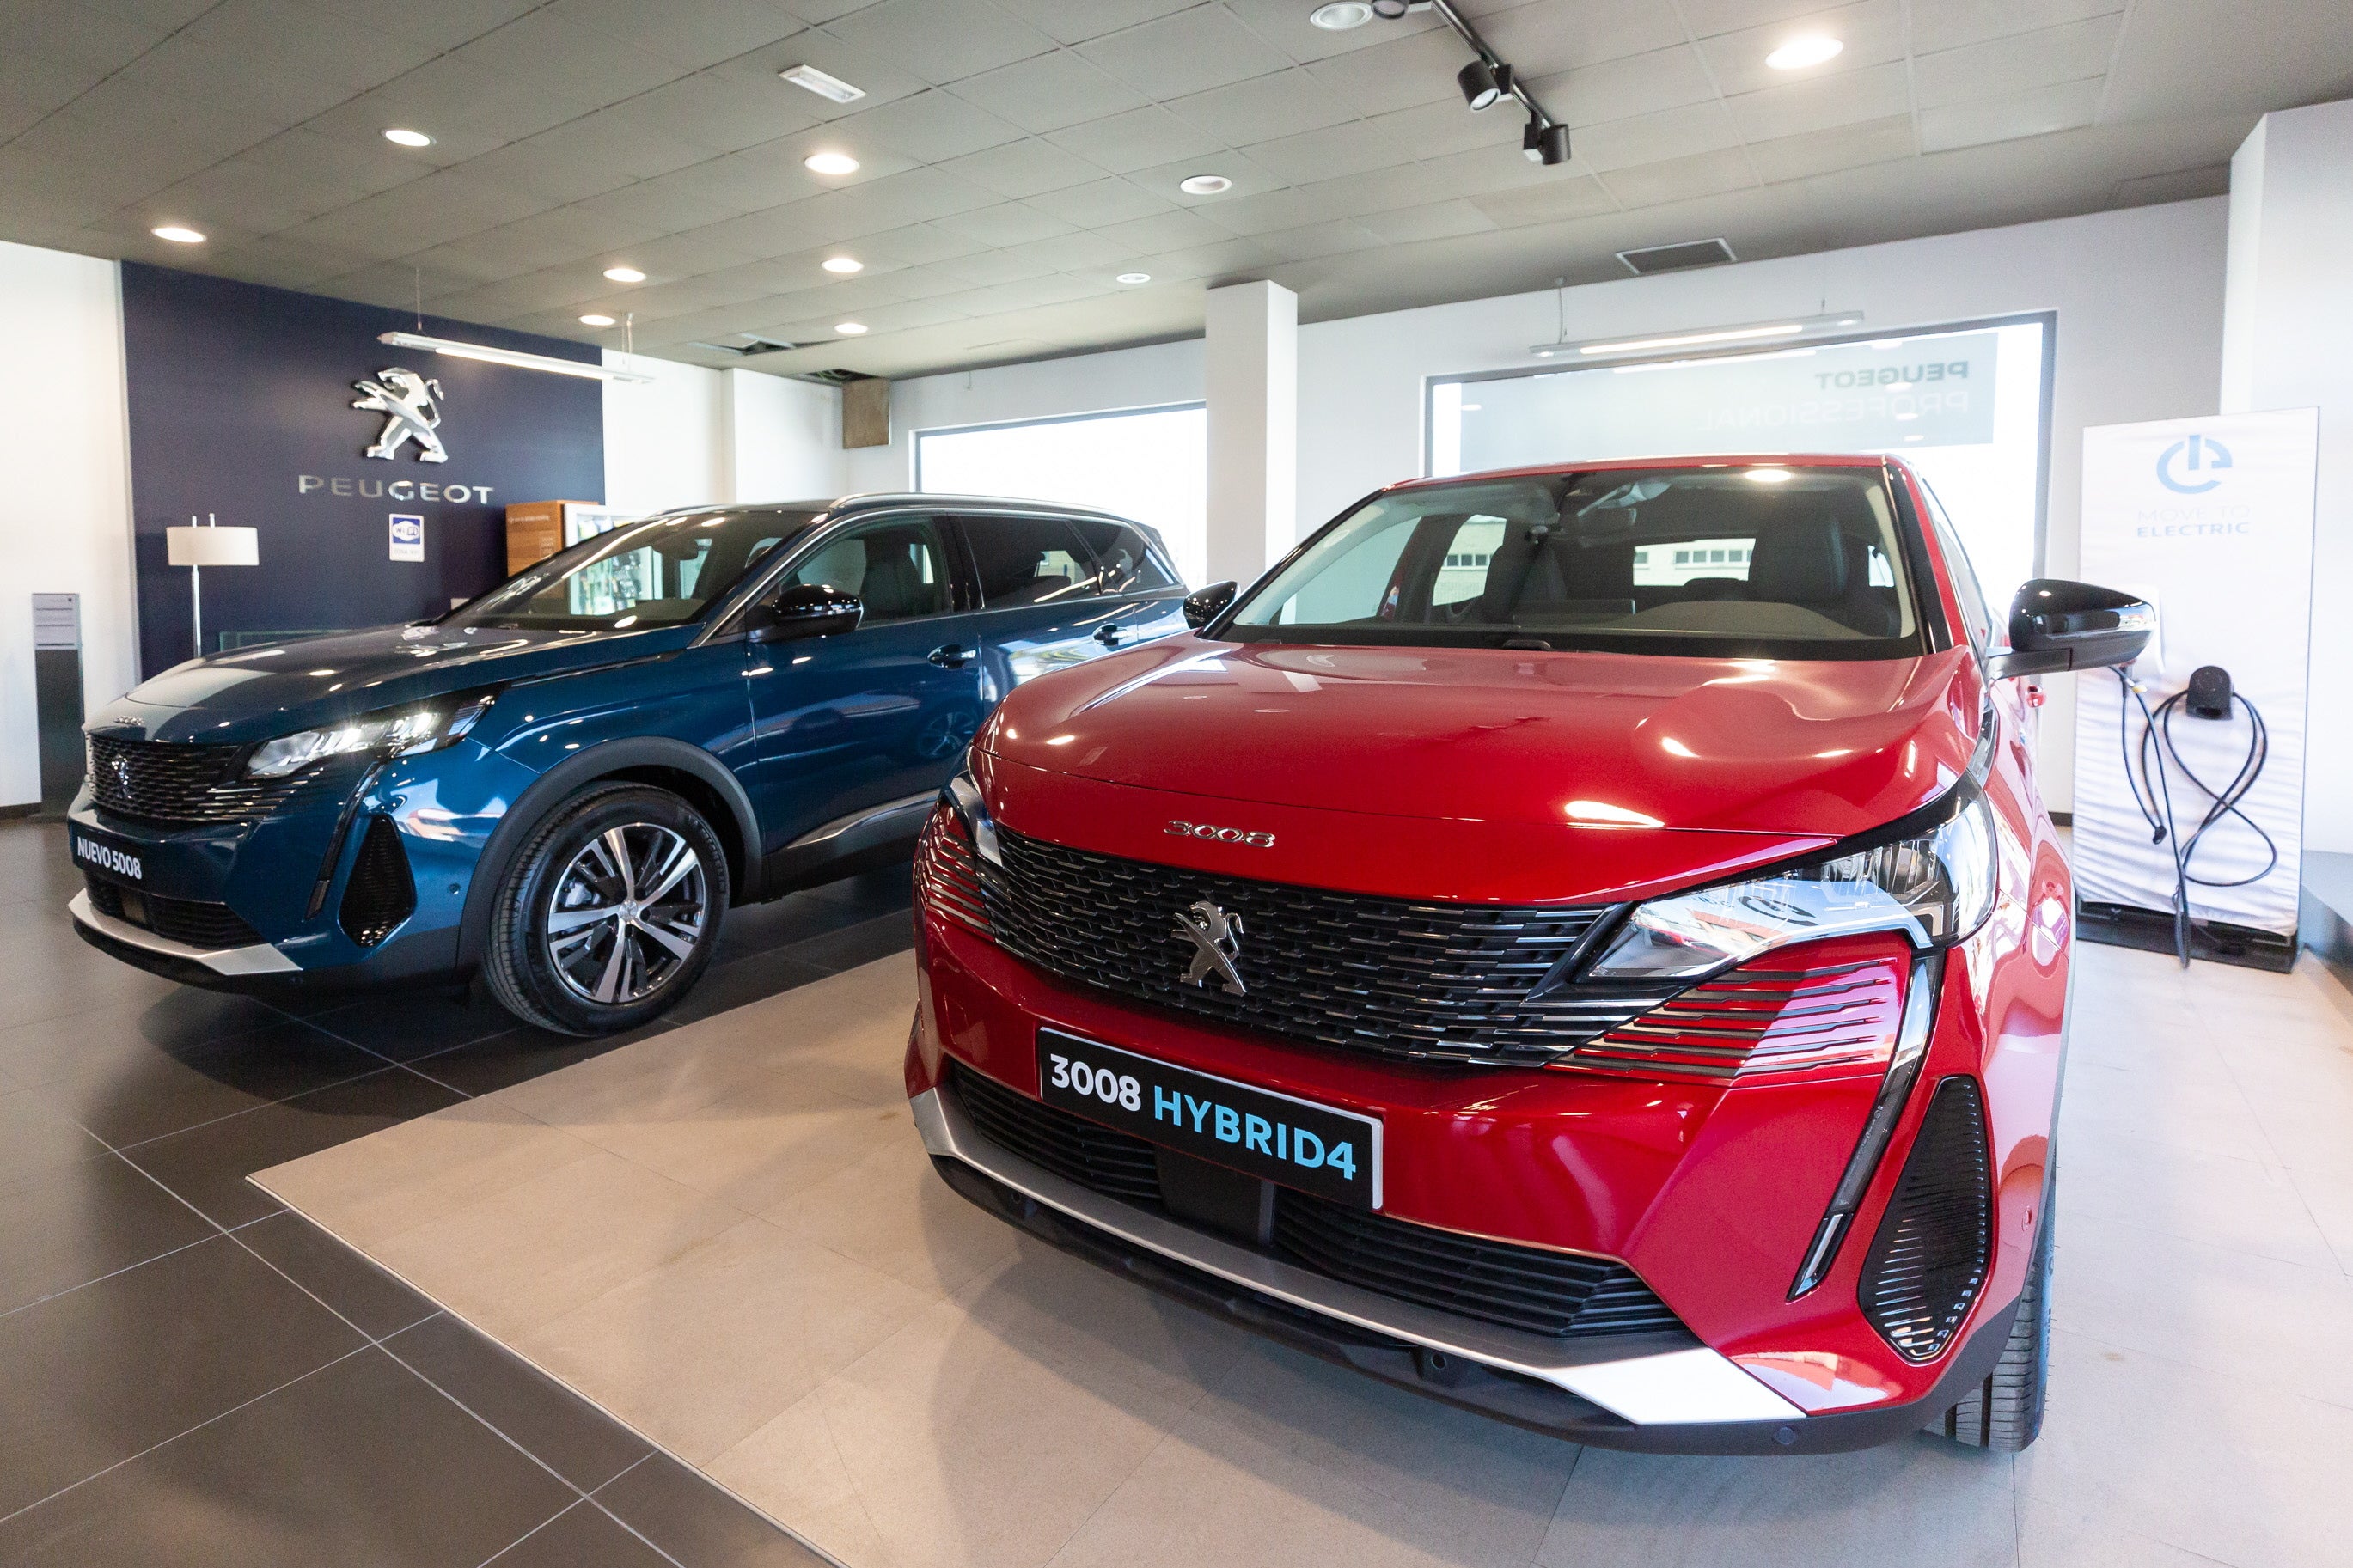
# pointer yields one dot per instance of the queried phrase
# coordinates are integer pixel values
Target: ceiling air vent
(748, 346)
(1676, 258)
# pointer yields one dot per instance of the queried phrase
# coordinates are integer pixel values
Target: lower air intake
(382, 892)
(1926, 1263)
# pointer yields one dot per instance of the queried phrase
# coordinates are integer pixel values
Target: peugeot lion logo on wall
(1216, 937)
(2193, 452)
(410, 404)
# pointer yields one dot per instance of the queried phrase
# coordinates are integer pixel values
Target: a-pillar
(1252, 375)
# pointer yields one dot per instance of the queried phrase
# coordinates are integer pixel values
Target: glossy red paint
(1459, 776)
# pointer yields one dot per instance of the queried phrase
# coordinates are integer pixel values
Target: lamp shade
(212, 546)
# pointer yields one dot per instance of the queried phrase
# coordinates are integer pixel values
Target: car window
(1124, 557)
(1029, 561)
(1966, 587)
(897, 569)
(656, 572)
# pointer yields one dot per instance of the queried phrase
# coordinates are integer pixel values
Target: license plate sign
(1317, 1149)
(115, 864)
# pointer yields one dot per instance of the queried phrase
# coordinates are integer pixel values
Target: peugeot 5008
(1583, 943)
(566, 782)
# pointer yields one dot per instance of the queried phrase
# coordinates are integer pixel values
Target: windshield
(640, 574)
(1743, 560)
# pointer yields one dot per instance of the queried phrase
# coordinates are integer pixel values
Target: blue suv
(564, 783)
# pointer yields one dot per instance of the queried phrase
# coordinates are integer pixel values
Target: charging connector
(2208, 696)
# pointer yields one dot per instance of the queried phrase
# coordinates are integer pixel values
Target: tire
(2004, 1413)
(572, 948)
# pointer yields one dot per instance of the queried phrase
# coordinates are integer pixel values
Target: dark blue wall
(241, 407)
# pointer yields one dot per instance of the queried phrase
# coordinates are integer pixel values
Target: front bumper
(177, 960)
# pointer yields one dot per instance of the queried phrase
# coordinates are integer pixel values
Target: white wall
(65, 513)
(783, 438)
(665, 441)
(2288, 343)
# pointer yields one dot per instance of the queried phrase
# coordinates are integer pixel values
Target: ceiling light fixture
(1483, 86)
(624, 275)
(822, 84)
(178, 234)
(597, 321)
(401, 136)
(514, 357)
(1205, 184)
(830, 163)
(1805, 50)
(1542, 143)
(844, 264)
(1488, 79)
(1745, 332)
(1391, 10)
(1340, 17)
(849, 328)
(1133, 278)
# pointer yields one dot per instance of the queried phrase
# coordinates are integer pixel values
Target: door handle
(948, 655)
(1109, 636)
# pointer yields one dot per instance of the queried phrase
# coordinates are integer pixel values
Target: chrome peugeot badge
(1216, 937)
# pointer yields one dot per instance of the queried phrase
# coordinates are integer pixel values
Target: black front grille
(197, 922)
(382, 892)
(1462, 982)
(158, 781)
(1564, 1295)
(1929, 1257)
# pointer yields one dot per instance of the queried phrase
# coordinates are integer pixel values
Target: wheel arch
(687, 770)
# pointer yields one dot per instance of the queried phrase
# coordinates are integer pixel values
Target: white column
(2287, 343)
(1252, 375)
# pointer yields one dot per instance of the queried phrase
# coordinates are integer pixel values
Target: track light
(1483, 86)
(1391, 10)
(1542, 143)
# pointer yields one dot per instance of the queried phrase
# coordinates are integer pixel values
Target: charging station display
(2190, 768)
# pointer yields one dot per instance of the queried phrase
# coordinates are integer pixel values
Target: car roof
(1704, 461)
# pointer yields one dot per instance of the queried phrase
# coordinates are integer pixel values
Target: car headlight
(398, 734)
(1936, 886)
(961, 796)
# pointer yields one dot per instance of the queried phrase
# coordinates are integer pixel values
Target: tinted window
(897, 569)
(638, 575)
(1125, 558)
(1964, 576)
(1029, 561)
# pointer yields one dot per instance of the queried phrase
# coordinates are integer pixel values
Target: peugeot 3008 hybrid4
(565, 784)
(1584, 944)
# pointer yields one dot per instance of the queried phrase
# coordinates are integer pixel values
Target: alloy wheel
(627, 912)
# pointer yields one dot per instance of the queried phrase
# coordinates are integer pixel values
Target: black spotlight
(1483, 86)
(1542, 143)
(1391, 10)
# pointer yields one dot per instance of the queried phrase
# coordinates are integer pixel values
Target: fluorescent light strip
(1749, 332)
(514, 357)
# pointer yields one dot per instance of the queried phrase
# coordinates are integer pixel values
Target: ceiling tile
(567, 60)
(442, 207)
(302, 41)
(2036, 113)
(692, 33)
(245, 195)
(1282, 103)
(573, 235)
(1348, 148)
(463, 105)
(675, 204)
(1385, 190)
(286, 263)
(724, 113)
(2004, 67)
(1439, 220)
(1050, 93)
(974, 36)
(1679, 179)
(1662, 78)
(31, 88)
(1291, 207)
(1135, 139)
(920, 244)
(1190, 52)
(1842, 147)
(993, 266)
(929, 127)
(442, 25)
(181, 68)
(1247, 175)
(1813, 105)
(748, 182)
(1416, 68)
(624, 140)
(1223, 258)
(1099, 203)
(1581, 196)
(1023, 168)
(877, 76)
(560, 174)
(1435, 129)
(1872, 30)
(1948, 24)
(1654, 138)
(1164, 231)
(1074, 252)
(1707, 18)
(1076, 21)
(2180, 185)
(1317, 240)
(338, 171)
(75, 36)
(1551, 36)
(1008, 222)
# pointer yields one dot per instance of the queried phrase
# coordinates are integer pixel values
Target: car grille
(1426, 982)
(1563, 1295)
(166, 781)
(200, 924)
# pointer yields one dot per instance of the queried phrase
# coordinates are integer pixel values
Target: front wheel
(2004, 1413)
(609, 915)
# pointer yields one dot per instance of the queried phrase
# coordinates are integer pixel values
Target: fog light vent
(382, 893)
(1929, 1257)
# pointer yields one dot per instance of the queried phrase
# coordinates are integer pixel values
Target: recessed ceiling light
(844, 264)
(1805, 50)
(830, 163)
(1341, 15)
(824, 86)
(1205, 185)
(178, 234)
(624, 275)
(401, 136)
(1133, 278)
(849, 328)
(595, 320)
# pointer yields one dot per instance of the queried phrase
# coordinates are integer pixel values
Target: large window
(1149, 464)
(1967, 405)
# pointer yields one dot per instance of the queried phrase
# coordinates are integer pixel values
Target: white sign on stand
(2211, 521)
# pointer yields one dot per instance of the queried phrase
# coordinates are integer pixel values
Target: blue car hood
(257, 693)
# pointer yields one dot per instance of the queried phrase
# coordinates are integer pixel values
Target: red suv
(1584, 943)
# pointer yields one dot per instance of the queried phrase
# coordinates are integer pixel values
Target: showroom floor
(188, 1373)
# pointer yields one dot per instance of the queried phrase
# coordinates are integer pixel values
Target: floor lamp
(197, 548)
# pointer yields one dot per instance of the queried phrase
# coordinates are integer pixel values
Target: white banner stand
(2212, 520)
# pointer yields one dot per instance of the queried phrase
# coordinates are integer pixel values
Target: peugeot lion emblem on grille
(1216, 937)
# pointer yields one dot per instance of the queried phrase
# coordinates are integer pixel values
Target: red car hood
(1666, 754)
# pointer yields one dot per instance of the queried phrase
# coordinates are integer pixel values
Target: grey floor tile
(579, 1442)
(696, 1523)
(74, 1223)
(156, 1092)
(373, 1300)
(582, 1536)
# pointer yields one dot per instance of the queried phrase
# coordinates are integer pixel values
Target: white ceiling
(1019, 154)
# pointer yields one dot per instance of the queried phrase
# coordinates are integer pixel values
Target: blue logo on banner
(2194, 454)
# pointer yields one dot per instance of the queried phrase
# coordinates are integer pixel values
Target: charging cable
(2152, 789)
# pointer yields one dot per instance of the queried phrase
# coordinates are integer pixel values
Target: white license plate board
(1318, 1149)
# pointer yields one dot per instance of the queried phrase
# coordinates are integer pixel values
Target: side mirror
(805, 610)
(2056, 624)
(1202, 605)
